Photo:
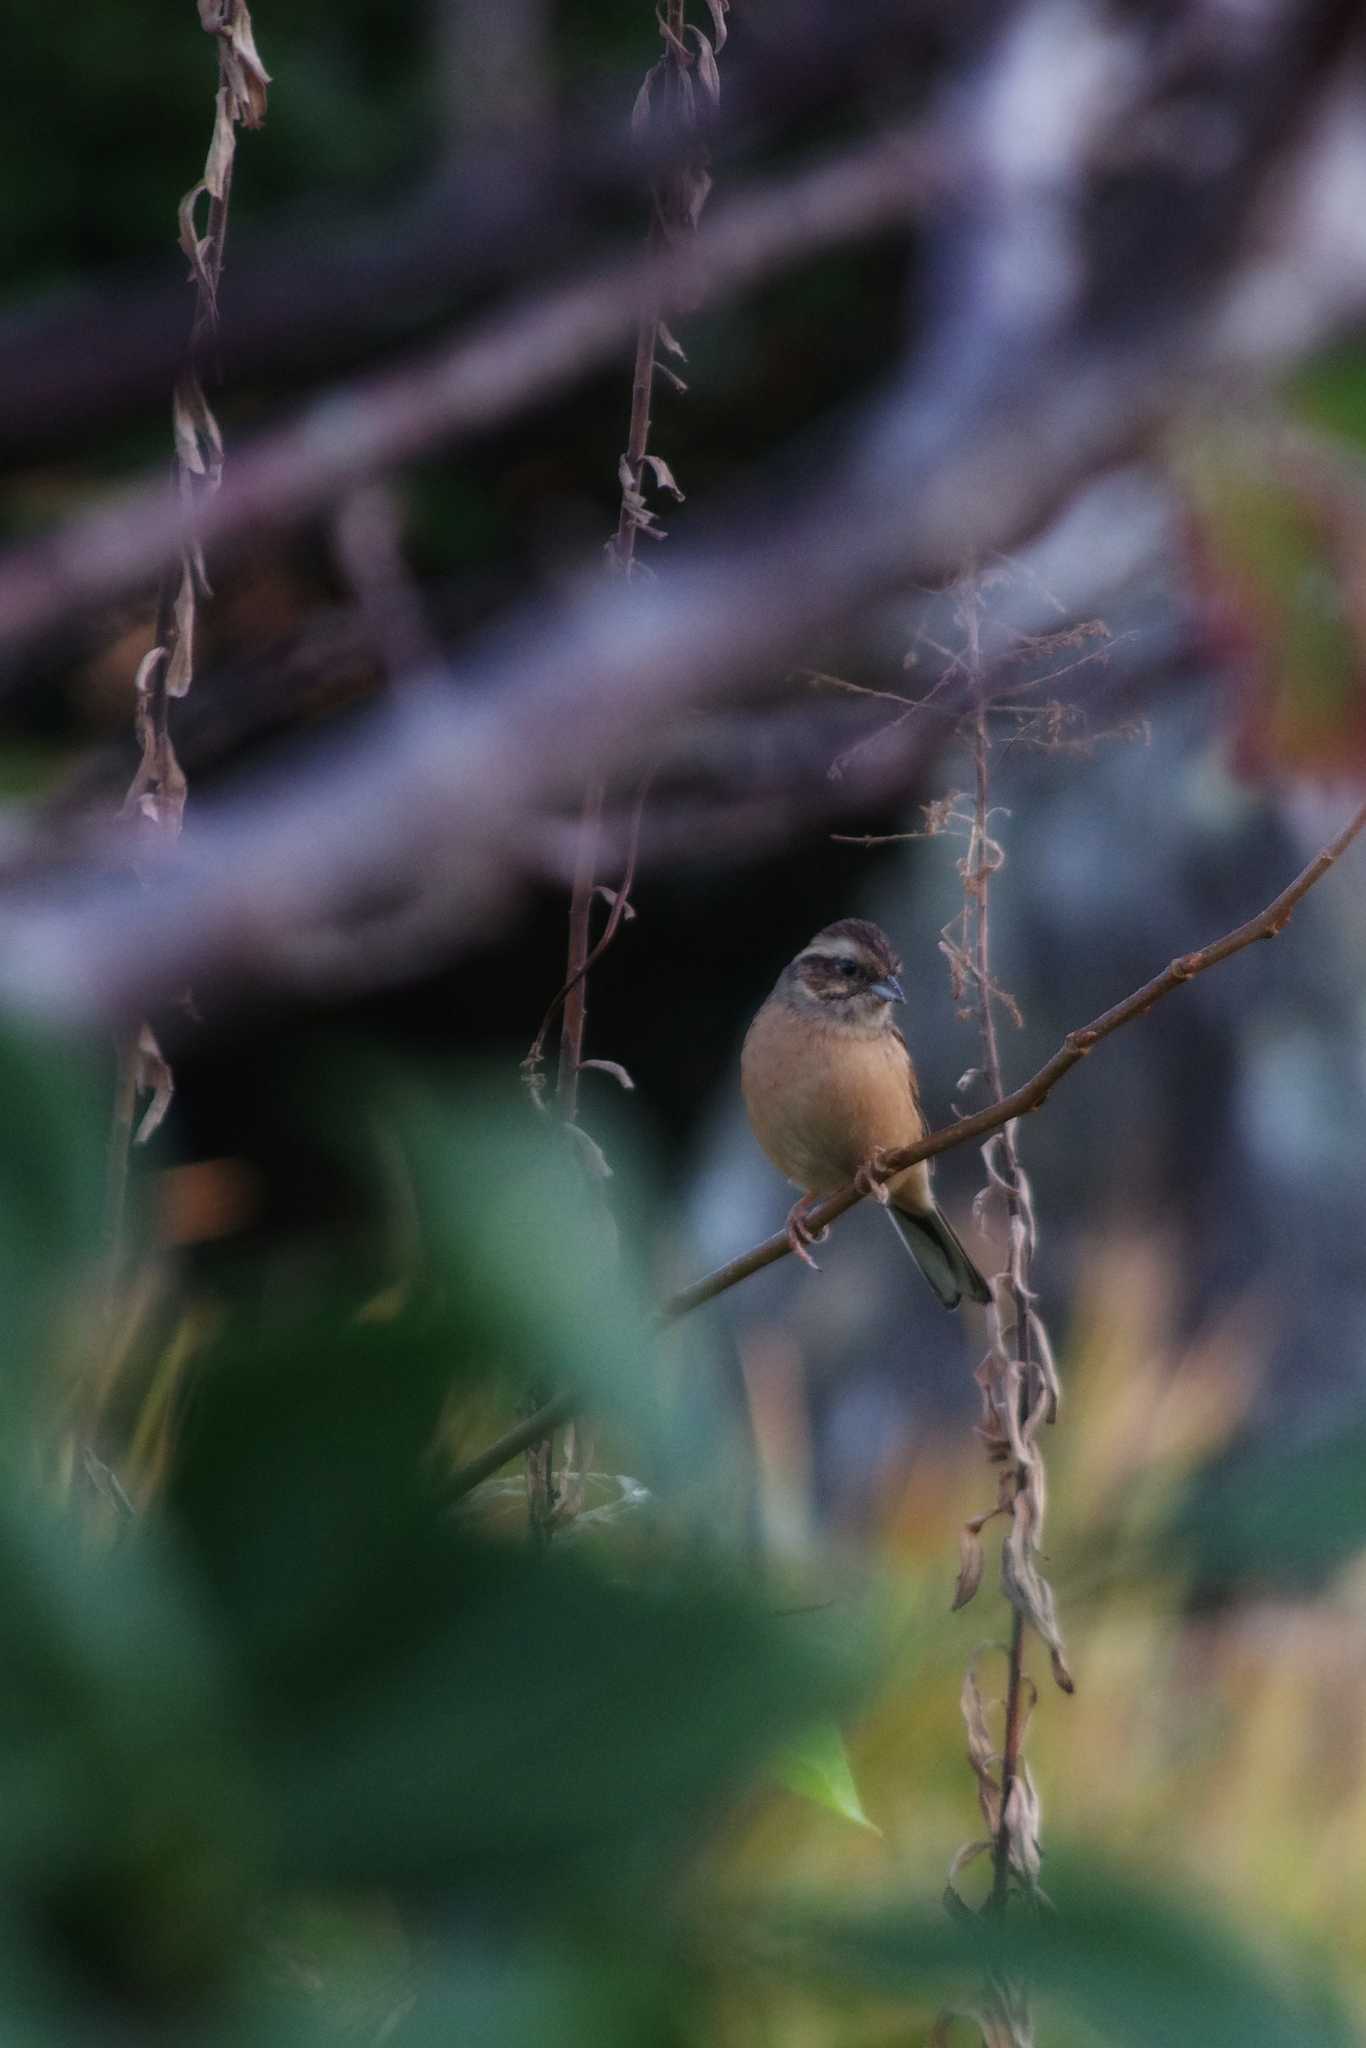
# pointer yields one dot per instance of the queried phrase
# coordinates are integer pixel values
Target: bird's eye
(847, 967)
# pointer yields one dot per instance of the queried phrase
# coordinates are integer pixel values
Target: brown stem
(1031, 1095)
(1018, 1272)
(638, 433)
(542, 1503)
(1010, 1758)
(116, 1166)
(580, 918)
(620, 906)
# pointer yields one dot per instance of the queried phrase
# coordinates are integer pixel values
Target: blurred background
(308, 1741)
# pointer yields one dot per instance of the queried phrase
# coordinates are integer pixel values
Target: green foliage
(817, 1768)
(1330, 391)
(51, 1177)
(1138, 1964)
(304, 1754)
(1283, 1515)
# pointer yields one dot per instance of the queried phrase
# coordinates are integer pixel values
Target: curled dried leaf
(664, 476)
(191, 241)
(180, 671)
(640, 110)
(614, 1068)
(198, 442)
(678, 50)
(671, 341)
(981, 1750)
(1022, 1824)
(245, 77)
(1029, 1592)
(971, 1563)
(719, 9)
(611, 898)
(222, 149)
(969, 1853)
(153, 1076)
(708, 76)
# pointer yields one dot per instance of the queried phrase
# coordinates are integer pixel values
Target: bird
(830, 1088)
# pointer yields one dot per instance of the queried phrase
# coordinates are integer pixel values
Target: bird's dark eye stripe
(847, 966)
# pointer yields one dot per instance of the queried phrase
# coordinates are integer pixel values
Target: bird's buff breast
(822, 1100)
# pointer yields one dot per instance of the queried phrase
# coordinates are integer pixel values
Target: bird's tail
(934, 1246)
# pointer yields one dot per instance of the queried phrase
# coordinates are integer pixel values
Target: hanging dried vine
(683, 88)
(155, 803)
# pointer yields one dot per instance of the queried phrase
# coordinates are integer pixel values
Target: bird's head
(847, 975)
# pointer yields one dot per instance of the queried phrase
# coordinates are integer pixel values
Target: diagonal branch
(1031, 1095)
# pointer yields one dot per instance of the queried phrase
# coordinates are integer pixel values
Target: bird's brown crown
(861, 937)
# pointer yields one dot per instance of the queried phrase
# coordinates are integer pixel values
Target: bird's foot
(868, 1180)
(800, 1234)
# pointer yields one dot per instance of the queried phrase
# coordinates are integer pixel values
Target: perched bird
(830, 1089)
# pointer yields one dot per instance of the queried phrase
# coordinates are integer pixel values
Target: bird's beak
(889, 988)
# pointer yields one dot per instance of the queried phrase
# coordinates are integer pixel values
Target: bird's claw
(868, 1179)
(800, 1234)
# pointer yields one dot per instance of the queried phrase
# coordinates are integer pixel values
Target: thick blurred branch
(476, 382)
(317, 287)
(1080, 303)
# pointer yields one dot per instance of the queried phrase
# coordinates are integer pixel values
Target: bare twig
(620, 909)
(1031, 1095)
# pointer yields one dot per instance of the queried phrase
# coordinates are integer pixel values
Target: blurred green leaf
(131, 1838)
(55, 1121)
(531, 1258)
(1139, 1963)
(1330, 391)
(817, 1767)
(1289, 1513)
(432, 1710)
(506, 1994)
(535, 1727)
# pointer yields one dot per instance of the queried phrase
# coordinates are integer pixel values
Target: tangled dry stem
(1019, 1389)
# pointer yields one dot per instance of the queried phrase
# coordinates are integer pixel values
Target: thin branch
(621, 908)
(532, 1429)
(580, 915)
(1031, 1095)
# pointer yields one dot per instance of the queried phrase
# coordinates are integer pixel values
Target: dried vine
(155, 803)
(1019, 1392)
(683, 86)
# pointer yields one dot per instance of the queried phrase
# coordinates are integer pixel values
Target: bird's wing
(911, 1079)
